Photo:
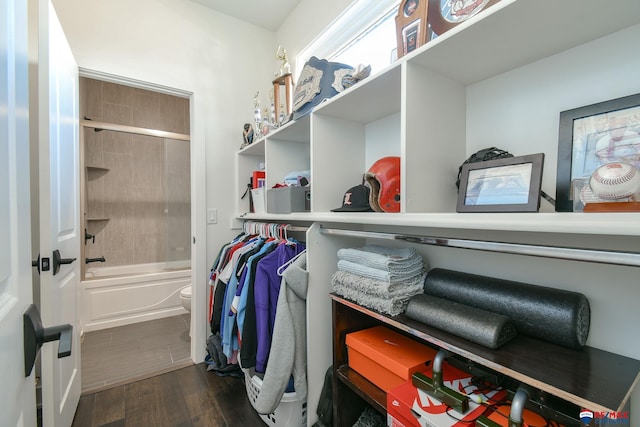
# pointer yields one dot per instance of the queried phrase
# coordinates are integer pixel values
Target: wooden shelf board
(592, 378)
(373, 395)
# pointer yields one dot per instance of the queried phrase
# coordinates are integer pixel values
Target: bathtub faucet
(88, 236)
(88, 260)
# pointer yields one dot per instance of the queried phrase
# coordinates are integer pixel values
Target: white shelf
(514, 33)
(610, 224)
(369, 100)
(478, 85)
(254, 149)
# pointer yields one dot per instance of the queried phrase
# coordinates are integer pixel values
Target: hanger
(284, 266)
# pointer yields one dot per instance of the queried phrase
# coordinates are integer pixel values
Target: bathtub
(121, 295)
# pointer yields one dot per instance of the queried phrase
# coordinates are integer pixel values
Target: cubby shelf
(589, 377)
(435, 106)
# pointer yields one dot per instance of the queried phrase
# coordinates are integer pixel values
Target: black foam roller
(479, 326)
(554, 315)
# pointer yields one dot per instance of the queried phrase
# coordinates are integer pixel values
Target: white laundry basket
(291, 412)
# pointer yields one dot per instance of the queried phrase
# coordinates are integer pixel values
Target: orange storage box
(385, 357)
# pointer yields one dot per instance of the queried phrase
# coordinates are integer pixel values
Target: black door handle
(88, 236)
(35, 335)
(36, 263)
(58, 261)
(88, 260)
(45, 264)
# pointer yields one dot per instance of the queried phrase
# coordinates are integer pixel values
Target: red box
(406, 403)
(258, 179)
(385, 357)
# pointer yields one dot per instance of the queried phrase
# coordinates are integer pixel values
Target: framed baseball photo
(411, 25)
(592, 136)
(510, 184)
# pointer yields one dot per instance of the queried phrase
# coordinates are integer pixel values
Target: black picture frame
(510, 184)
(580, 135)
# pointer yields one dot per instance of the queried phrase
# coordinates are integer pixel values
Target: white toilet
(185, 297)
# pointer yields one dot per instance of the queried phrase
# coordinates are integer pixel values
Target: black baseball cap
(356, 199)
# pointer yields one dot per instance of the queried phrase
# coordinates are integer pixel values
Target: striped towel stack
(379, 277)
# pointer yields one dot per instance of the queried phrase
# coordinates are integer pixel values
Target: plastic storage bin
(291, 412)
(288, 199)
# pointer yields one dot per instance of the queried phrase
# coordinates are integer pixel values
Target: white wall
(183, 45)
(305, 23)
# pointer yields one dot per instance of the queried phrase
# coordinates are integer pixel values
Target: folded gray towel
(378, 287)
(392, 306)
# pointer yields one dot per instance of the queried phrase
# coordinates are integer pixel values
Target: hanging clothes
(245, 292)
(228, 326)
(266, 291)
(288, 355)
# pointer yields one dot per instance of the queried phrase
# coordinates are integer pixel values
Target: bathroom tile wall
(137, 192)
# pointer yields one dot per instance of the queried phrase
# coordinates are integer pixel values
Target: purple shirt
(266, 291)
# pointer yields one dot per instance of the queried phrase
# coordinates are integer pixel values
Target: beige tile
(133, 351)
(118, 94)
(93, 99)
(143, 226)
(180, 352)
(93, 147)
(117, 142)
(146, 110)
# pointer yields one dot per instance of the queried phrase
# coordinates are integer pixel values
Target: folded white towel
(377, 287)
(395, 276)
(382, 257)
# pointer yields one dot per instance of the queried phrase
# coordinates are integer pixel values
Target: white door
(59, 196)
(18, 402)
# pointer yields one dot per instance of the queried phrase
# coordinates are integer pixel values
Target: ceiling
(266, 14)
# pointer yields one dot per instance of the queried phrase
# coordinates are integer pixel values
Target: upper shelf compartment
(297, 131)
(510, 34)
(375, 97)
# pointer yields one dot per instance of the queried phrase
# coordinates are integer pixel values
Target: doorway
(136, 212)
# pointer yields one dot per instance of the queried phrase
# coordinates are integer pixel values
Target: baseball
(614, 181)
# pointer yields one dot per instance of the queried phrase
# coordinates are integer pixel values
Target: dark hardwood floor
(186, 397)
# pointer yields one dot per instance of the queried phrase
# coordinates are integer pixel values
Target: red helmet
(383, 177)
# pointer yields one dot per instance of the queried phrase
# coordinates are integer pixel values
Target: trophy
(283, 78)
(257, 117)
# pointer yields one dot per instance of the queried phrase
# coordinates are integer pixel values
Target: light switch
(212, 216)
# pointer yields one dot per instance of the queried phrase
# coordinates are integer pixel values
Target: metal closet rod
(285, 227)
(573, 254)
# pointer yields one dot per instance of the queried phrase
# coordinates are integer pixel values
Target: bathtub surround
(137, 192)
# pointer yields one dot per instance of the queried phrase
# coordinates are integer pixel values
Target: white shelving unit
(500, 79)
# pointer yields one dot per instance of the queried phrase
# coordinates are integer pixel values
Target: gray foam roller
(479, 326)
